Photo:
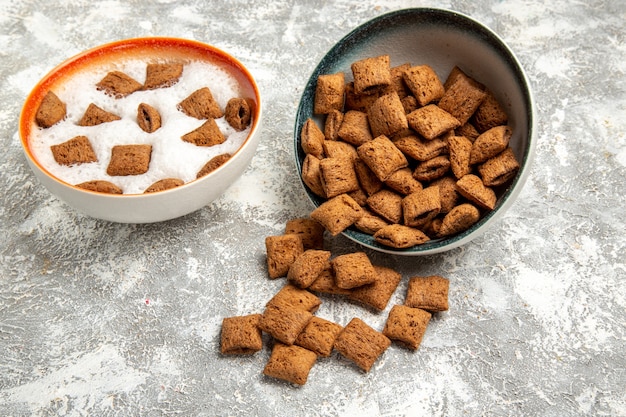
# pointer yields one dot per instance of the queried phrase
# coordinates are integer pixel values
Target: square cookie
(429, 293)
(353, 270)
(293, 296)
(319, 336)
(281, 252)
(284, 322)
(290, 363)
(361, 344)
(406, 325)
(378, 293)
(129, 160)
(241, 335)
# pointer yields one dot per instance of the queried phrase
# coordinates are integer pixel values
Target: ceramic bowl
(441, 39)
(139, 207)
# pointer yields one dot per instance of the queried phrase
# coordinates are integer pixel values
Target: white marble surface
(123, 320)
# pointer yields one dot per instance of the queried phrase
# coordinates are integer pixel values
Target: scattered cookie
(353, 270)
(290, 363)
(378, 293)
(361, 344)
(406, 325)
(284, 322)
(310, 231)
(299, 337)
(241, 335)
(325, 283)
(319, 336)
(282, 252)
(429, 293)
(308, 266)
(295, 297)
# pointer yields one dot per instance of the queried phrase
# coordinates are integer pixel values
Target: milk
(171, 156)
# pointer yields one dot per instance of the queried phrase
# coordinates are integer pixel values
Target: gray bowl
(441, 39)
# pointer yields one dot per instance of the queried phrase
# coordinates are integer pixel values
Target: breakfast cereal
(118, 84)
(353, 270)
(450, 138)
(361, 343)
(77, 150)
(378, 293)
(290, 363)
(94, 116)
(307, 267)
(319, 336)
(241, 335)
(142, 101)
(148, 118)
(282, 251)
(429, 293)
(51, 110)
(284, 322)
(406, 325)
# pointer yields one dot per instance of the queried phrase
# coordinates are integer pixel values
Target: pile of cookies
(134, 159)
(404, 156)
(299, 337)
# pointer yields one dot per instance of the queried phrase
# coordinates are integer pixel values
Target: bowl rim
(438, 16)
(53, 74)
